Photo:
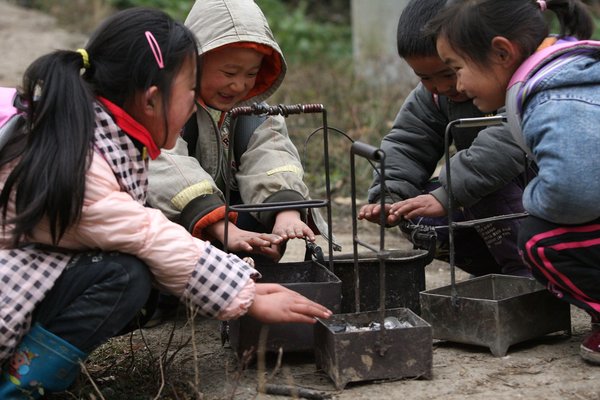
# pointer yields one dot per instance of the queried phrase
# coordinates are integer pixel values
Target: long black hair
(59, 89)
(470, 25)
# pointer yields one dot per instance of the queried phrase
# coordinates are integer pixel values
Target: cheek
(429, 85)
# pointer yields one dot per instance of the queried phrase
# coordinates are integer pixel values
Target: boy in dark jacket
(487, 169)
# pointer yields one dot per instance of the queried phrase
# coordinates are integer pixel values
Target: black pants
(95, 299)
(487, 248)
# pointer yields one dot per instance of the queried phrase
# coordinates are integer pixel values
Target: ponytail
(49, 179)
(574, 18)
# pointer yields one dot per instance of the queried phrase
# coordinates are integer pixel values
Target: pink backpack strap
(541, 63)
(7, 100)
(538, 66)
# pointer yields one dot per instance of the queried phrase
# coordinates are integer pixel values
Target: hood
(218, 23)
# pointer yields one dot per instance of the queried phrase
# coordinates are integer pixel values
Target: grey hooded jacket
(188, 184)
(485, 161)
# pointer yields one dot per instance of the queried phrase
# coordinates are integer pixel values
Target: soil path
(547, 368)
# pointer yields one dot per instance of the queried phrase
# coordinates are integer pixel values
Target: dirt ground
(545, 368)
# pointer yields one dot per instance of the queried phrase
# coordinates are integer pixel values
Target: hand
(372, 212)
(424, 205)
(274, 303)
(288, 225)
(240, 240)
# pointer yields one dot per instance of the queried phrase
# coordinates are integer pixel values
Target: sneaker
(590, 347)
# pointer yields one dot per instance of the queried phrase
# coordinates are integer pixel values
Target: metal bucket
(494, 311)
(404, 280)
(309, 278)
(374, 354)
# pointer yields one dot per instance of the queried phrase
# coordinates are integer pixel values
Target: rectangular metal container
(404, 279)
(494, 311)
(373, 355)
(309, 278)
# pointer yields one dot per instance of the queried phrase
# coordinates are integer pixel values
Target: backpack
(11, 119)
(538, 66)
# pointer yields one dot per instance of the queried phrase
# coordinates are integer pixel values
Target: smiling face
(436, 76)
(485, 85)
(228, 75)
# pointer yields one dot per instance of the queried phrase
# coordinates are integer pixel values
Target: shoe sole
(589, 355)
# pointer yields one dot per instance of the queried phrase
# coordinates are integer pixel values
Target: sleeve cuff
(212, 217)
(240, 304)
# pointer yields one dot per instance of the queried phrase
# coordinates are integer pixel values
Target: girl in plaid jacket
(79, 251)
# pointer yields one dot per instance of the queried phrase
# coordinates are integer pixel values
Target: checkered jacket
(114, 218)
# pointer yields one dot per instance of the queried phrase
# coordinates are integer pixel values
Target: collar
(133, 128)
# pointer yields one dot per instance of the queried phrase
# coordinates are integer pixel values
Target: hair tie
(155, 49)
(542, 4)
(85, 56)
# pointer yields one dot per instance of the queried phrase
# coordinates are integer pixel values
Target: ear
(151, 101)
(504, 52)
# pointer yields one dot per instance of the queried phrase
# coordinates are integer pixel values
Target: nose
(238, 85)
(459, 85)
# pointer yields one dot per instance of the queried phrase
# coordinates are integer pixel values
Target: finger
(308, 233)
(303, 319)
(311, 310)
(272, 238)
(271, 252)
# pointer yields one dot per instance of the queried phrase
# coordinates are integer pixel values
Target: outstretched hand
(289, 225)
(274, 303)
(372, 213)
(424, 205)
(240, 240)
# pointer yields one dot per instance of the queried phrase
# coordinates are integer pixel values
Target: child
(486, 170)
(79, 250)
(560, 116)
(241, 64)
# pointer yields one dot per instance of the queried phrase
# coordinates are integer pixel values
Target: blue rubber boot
(42, 363)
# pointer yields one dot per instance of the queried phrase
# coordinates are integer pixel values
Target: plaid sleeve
(26, 274)
(217, 279)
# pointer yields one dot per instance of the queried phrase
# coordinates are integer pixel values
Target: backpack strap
(10, 117)
(243, 129)
(7, 104)
(538, 66)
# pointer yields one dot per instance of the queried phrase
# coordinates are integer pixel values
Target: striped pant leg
(565, 258)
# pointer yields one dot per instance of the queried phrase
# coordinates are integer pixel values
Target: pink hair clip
(542, 4)
(155, 49)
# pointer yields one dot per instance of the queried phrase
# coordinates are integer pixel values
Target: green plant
(304, 38)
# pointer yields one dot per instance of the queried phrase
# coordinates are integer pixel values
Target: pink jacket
(114, 218)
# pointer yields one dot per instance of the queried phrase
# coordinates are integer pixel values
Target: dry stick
(162, 381)
(160, 363)
(294, 391)
(278, 365)
(247, 357)
(192, 313)
(87, 374)
(261, 356)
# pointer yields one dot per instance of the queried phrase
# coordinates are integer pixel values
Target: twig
(294, 391)
(245, 360)
(87, 374)
(261, 356)
(162, 381)
(278, 364)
